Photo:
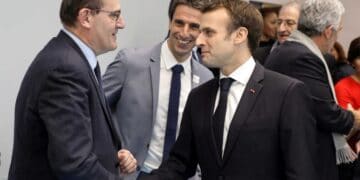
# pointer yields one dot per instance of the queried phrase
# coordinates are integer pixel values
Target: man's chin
(207, 63)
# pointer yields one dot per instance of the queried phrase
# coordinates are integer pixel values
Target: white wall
(351, 23)
(26, 28)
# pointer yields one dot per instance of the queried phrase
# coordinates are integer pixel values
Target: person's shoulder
(205, 87)
(201, 69)
(279, 80)
(344, 81)
(289, 49)
(59, 53)
(139, 53)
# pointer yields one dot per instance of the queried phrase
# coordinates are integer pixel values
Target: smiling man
(287, 20)
(147, 87)
(247, 124)
(63, 128)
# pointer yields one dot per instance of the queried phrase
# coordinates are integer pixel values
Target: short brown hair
(69, 9)
(196, 4)
(242, 14)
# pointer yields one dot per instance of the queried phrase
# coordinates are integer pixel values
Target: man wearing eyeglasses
(286, 23)
(63, 128)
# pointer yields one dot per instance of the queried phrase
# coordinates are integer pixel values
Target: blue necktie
(219, 115)
(173, 110)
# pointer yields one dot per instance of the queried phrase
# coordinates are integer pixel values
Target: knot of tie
(177, 69)
(225, 83)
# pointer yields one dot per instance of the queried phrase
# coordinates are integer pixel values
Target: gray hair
(317, 15)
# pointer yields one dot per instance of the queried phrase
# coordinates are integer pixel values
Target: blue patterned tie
(219, 115)
(173, 110)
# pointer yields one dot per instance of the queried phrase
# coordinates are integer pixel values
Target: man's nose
(120, 23)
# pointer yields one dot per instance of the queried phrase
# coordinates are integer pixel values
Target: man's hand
(356, 113)
(127, 161)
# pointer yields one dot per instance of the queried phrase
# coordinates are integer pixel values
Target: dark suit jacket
(271, 136)
(62, 126)
(261, 53)
(295, 60)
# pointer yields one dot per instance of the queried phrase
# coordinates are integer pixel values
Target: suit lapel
(99, 91)
(246, 104)
(105, 107)
(155, 76)
(195, 78)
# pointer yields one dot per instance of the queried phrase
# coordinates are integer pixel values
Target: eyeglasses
(114, 15)
(287, 22)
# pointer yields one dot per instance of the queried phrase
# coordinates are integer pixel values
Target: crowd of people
(233, 92)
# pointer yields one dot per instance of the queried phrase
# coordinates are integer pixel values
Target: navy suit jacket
(63, 129)
(295, 60)
(271, 136)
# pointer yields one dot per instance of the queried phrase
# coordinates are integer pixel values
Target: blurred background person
(341, 66)
(301, 57)
(270, 15)
(286, 22)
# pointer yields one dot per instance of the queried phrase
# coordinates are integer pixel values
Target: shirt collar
(243, 73)
(169, 60)
(86, 50)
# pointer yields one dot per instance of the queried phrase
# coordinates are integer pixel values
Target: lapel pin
(252, 91)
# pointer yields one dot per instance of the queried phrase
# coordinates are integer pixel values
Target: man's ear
(241, 35)
(328, 32)
(84, 17)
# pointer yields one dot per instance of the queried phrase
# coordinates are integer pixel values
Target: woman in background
(270, 15)
(341, 67)
(348, 93)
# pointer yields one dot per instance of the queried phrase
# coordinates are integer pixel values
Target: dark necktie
(98, 74)
(173, 110)
(219, 115)
(99, 80)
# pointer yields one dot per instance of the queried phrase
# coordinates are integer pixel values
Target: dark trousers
(349, 171)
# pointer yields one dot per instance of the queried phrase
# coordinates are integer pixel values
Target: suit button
(147, 146)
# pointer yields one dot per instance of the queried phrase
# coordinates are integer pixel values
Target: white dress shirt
(167, 61)
(241, 76)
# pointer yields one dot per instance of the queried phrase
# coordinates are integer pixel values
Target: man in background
(250, 123)
(286, 23)
(147, 88)
(301, 57)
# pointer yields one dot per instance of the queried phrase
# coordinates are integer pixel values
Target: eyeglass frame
(287, 22)
(114, 15)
